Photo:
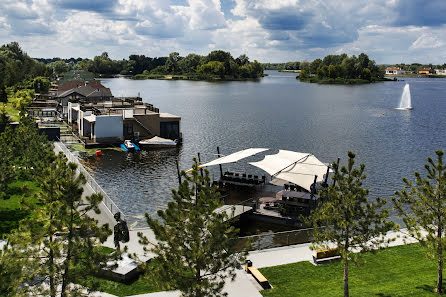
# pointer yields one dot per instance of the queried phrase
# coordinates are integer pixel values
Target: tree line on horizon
(216, 63)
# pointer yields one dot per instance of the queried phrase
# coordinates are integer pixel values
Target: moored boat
(158, 142)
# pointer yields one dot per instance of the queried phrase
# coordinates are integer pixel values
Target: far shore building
(115, 121)
(395, 70)
(440, 71)
(425, 71)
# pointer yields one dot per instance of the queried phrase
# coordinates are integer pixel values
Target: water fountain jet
(405, 103)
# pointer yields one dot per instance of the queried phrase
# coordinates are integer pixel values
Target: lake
(277, 112)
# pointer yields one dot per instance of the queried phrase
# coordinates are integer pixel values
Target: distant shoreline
(416, 75)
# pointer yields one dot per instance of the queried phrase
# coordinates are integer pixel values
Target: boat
(128, 145)
(158, 142)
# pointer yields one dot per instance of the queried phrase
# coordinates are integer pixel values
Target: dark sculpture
(120, 231)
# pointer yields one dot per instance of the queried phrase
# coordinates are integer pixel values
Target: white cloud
(266, 30)
(427, 41)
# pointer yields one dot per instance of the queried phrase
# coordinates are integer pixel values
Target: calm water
(278, 112)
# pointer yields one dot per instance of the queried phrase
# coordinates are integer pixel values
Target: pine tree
(7, 172)
(195, 245)
(423, 209)
(59, 244)
(3, 95)
(347, 219)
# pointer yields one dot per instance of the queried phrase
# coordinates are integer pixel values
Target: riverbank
(192, 77)
(417, 75)
(341, 81)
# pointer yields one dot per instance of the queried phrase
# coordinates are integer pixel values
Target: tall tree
(195, 244)
(172, 62)
(423, 208)
(3, 95)
(59, 244)
(347, 219)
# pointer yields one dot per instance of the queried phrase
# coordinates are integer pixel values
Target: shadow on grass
(427, 288)
(9, 219)
(383, 295)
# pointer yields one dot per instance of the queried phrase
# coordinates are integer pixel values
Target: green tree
(60, 67)
(213, 68)
(195, 248)
(332, 71)
(172, 63)
(3, 95)
(190, 63)
(347, 219)
(7, 172)
(59, 243)
(242, 60)
(423, 208)
(303, 75)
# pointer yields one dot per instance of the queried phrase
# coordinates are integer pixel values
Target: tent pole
(218, 155)
(313, 191)
(178, 172)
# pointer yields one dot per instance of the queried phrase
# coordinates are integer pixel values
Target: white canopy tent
(234, 157)
(298, 168)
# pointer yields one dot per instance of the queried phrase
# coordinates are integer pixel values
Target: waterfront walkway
(244, 284)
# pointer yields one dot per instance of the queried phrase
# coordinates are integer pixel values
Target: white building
(395, 70)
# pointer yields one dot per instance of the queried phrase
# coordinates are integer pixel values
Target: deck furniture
(258, 276)
(326, 256)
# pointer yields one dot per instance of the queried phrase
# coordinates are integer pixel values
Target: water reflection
(278, 112)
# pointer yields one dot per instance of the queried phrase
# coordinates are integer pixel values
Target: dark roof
(68, 85)
(87, 91)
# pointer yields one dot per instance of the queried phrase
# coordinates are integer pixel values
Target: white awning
(298, 168)
(234, 157)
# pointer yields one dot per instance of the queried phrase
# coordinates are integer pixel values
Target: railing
(273, 240)
(142, 125)
(108, 202)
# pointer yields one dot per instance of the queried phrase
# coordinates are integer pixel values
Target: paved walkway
(244, 284)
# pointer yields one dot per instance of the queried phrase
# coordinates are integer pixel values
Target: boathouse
(114, 121)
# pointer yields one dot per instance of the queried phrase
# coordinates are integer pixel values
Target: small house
(425, 71)
(395, 70)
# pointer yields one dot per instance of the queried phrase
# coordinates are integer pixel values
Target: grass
(11, 211)
(139, 286)
(11, 111)
(396, 271)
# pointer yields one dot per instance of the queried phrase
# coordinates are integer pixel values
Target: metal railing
(274, 240)
(107, 201)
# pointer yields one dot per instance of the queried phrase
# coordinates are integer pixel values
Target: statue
(120, 231)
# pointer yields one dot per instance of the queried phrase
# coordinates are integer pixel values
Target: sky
(389, 31)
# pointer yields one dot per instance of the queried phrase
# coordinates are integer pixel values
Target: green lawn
(397, 271)
(11, 211)
(139, 286)
(11, 111)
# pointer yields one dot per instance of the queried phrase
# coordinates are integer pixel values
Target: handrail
(108, 202)
(142, 125)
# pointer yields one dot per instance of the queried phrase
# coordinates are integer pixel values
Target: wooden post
(199, 162)
(334, 181)
(178, 172)
(218, 155)
(326, 174)
(313, 191)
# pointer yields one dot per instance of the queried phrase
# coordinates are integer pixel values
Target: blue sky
(389, 31)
